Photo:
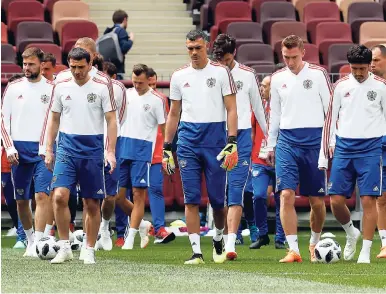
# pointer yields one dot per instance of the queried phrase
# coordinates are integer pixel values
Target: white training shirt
(24, 109)
(299, 104)
(94, 72)
(202, 92)
(139, 131)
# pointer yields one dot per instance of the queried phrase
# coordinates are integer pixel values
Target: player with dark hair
(378, 67)
(97, 62)
(359, 100)
(25, 102)
(249, 104)
(48, 66)
(299, 94)
(202, 93)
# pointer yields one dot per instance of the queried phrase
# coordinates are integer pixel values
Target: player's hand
(168, 161)
(13, 158)
(229, 154)
(110, 159)
(331, 151)
(49, 160)
(271, 158)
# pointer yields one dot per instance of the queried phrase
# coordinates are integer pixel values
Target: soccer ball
(328, 251)
(47, 248)
(78, 240)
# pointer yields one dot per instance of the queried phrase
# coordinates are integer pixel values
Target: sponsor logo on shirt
(239, 85)
(307, 84)
(211, 82)
(371, 95)
(91, 98)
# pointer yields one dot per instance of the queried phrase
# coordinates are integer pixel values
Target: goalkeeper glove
(168, 160)
(229, 154)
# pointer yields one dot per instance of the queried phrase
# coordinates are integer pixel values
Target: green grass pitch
(159, 268)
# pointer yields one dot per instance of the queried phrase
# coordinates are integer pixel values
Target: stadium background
(329, 28)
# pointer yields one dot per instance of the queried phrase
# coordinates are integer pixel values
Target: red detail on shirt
(5, 165)
(259, 136)
(157, 155)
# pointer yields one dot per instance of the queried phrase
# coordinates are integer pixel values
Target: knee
(109, 200)
(22, 204)
(368, 202)
(139, 194)
(381, 202)
(287, 198)
(317, 203)
(60, 198)
(337, 201)
(92, 206)
(41, 197)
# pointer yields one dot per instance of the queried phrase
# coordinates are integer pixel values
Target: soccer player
(263, 178)
(248, 100)
(145, 113)
(80, 106)
(48, 66)
(25, 103)
(378, 67)
(156, 197)
(299, 100)
(359, 100)
(204, 91)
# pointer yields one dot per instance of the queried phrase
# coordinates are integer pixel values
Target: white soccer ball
(78, 240)
(47, 248)
(328, 251)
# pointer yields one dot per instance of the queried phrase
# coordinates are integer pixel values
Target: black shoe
(262, 241)
(219, 246)
(195, 259)
(280, 245)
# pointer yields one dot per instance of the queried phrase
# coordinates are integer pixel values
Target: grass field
(159, 268)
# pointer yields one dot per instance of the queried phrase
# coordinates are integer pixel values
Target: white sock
(38, 235)
(315, 237)
(84, 243)
(219, 235)
(225, 238)
(66, 244)
(382, 235)
(293, 243)
(30, 235)
(195, 242)
(231, 243)
(349, 229)
(366, 247)
(105, 224)
(131, 236)
(142, 224)
(47, 230)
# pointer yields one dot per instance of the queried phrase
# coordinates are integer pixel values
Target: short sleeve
(175, 93)
(108, 101)
(160, 111)
(227, 83)
(57, 105)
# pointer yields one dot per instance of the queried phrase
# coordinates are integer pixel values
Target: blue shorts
(25, 175)
(237, 180)
(262, 177)
(112, 180)
(192, 162)
(134, 174)
(346, 172)
(88, 172)
(384, 170)
(299, 166)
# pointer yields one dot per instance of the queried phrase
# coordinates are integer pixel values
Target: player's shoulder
(380, 81)
(63, 83)
(100, 81)
(279, 75)
(318, 70)
(218, 66)
(249, 71)
(64, 74)
(102, 76)
(341, 82)
(118, 84)
(16, 83)
(158, 95)
(180, 71)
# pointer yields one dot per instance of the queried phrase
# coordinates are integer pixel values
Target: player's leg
(341, 186)
(120, 225)
(190, 168)
(49, 215)
(260, 181)
(287, 179)
(8, 191)
(369, 184)
(381, 207)
(279, 232)
(157, 205)
(249, 213)
(124, 184)
(313, 184)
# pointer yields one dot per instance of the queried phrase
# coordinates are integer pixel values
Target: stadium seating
(20, 11)
(33, 32)
(245, 33)
(255, 54)
(8, 54)
(344, 5)
(272, 12)
(372, 33)
(4, 33)
(50, 48)
(48, 6)
(264, 68)
(256, 6)
(328, 33)
(337, 56)
(74, 30)
(359, 13)
(68, 11)
(317, 12)
(228, 12)
(207, 12)
(282, 29)
(300, 5)
(9, 68)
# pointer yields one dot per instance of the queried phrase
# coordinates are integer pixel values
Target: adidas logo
(347, 94)
(321, 190)
(245, 162)
(284, 86)
(68, 97)
(100, 192)
(376, 189)
(143, 181)
(194, 244)
(20, 97)
(187, 85)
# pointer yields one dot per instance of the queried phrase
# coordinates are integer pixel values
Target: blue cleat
(254, 233)
(239, 238)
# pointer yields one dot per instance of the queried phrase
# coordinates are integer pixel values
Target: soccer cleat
(151, 231)
(12, 232)
(364, 257)
(129, 244)
(31, 250)
(82, 252)
(143, 232)
(311, 249)
(239, 238)
(382, 254)
(89, 257)
(105, 241)
(21, 244)
(195, 259)
(163, 236)
(351, 245)
(291, 257)
(280, 245)
(254, 233)
(218, 251)
(262, 241)
(64, 254)
(119, 242)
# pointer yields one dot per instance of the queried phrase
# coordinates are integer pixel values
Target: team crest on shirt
(45, 99)
(91, 98)
(146, 107)
(182, 163)
(211, 82)
(371, 95)
(54, 178)
(307, 84)
(239, 85)
(20, 191)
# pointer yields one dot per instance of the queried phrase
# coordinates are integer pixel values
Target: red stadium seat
(50, 48)
(207, 13)
(8, 69)
(33, 32)
(49, 4)
(20, 11)
(337, 56)
(282, 29)
(74, 30)
(8, 54)
(245, 33)
(256, 6)
(255, 54)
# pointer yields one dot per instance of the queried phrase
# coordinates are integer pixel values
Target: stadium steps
(159, 27)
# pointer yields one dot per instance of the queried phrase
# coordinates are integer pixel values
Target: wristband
(232, 140)
(168, 146)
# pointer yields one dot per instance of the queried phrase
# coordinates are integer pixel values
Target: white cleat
(129, 244)
(104, 242)
(64, 254)
(12, 232)
(89, 257)
(82, 253)
(364, 257)
(351, 245)
(20, 245)
(143, 232)
(31, 251)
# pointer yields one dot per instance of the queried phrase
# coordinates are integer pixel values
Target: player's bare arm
(52, 132)
(230, 105)
(111, 120)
